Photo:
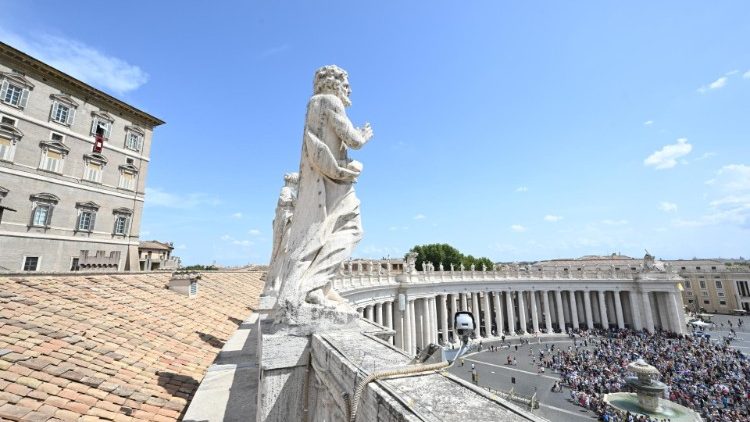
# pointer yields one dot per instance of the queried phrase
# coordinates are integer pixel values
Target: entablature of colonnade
(364, 289)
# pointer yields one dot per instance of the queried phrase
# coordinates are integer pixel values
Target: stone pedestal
(284, 357)
(284, 364)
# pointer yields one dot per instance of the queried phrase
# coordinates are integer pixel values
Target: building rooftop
(116, 347)
(154, 244)
(92, 94)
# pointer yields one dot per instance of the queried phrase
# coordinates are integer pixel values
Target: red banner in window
(98, 143)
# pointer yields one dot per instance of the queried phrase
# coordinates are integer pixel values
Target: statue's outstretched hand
(366, 131)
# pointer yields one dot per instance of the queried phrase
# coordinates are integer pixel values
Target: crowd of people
(711, 378)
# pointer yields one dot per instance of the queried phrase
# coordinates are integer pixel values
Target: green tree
(446, 254)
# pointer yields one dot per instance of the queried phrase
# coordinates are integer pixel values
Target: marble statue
(326, 225)
(411, 262)
(440, 266)
(281, 224)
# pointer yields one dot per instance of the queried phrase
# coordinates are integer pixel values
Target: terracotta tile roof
(112, 347)
(155, 244)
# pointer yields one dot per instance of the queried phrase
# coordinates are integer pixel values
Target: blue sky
(513, 130)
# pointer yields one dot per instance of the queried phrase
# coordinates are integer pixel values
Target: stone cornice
(26, 63)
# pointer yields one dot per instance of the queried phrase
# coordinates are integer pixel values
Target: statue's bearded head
(333, 80)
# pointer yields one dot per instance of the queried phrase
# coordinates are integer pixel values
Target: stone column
(389, 314)
(487, 315)
(618, 310)
(534, 316)
(498, 313)
(521, 312)
(603, 309)
(361, 312)
(648, 316)
(444, 317)
(400, 324)
(546, 311)
(379, 313)
(587, 306)
(409, 328)
(433, 320)
(414, 332)
(632, 297)
(511, 318)
(464, 304)
(368, 312)
(560, 312)
(454, 309)
(425, 322)
(674, 305)
(574, 309)
(475, 311)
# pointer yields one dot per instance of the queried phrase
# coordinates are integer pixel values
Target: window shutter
(49, 215)
(78, 222)
(93, 220)
(53, 112)
(24, 98)
(3, 89)
(93, 126)
(71, 116)
(33, 213)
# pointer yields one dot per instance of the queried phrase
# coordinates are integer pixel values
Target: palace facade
(73, 165)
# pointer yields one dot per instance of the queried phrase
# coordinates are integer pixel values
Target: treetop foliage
(447, 254)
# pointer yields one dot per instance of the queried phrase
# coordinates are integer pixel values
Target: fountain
(647, 399)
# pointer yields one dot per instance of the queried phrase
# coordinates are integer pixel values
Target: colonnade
(423, 319)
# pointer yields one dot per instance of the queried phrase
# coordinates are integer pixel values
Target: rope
(409, 370)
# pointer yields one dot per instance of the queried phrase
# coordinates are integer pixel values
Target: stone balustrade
(419, 305)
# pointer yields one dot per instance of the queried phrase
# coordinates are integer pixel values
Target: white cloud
(732, 72)
(226, 237)
(732, 178)
(733, 207)
(552, 218)
(746, 75)
(518, 228)
(648, 123)
(666, 157)
(419, 217)
(667, 206)
(254, 232)
(615, 222)
(522, 189)
(719, 83)
(81, 61)
(237, 215)
(706, 155)
(158, 198)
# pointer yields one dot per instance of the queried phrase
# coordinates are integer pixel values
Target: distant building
(155, 255)
(710, 285)
(73, 165)
(714, 286)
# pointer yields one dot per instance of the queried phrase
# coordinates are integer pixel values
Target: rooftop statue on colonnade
(325, 225)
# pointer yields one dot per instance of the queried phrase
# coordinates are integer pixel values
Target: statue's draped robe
(281, 225)
(326, 225)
